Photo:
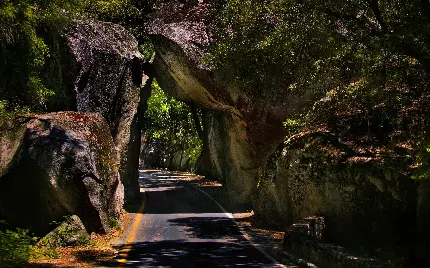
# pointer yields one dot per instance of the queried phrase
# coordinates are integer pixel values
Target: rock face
(364, 202)
(59, 164)
(303, 243)
(240, 129)
(108, 81)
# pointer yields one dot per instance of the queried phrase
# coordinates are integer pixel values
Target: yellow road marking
(131, 236)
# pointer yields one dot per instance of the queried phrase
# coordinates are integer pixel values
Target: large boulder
(108, 81)
(241, 128)
(367, 202)
(59, 164)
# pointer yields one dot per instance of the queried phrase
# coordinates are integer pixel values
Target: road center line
(136, 223)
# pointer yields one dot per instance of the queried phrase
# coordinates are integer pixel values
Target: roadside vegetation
(170, 131)
(18, 247)
(29, 37)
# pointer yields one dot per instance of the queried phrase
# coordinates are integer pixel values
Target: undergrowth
(17, 246)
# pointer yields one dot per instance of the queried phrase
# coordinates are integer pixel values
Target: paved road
(183, 227)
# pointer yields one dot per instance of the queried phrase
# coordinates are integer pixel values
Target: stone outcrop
(56, 165)
(365, 201)
(71, 232)
(108, 81)
(241, 128)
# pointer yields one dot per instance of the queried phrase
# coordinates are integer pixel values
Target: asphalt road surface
(180, 226)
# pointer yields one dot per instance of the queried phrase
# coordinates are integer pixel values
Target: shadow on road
(183, 227)
(189, 254)
(209, 228)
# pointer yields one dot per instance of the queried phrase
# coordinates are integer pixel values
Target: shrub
(15, 247)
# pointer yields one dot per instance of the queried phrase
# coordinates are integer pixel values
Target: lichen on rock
(65, 164)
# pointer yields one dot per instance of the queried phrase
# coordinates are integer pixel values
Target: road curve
(180, 226)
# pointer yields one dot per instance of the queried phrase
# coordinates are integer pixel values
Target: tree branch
(374, 5)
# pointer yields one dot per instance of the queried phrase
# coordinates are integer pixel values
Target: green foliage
(422, 162)
(24, 51)
(66, 233)
(170, 123)
(365, 64)
(43, 251)
(316, 46)
(292, 125)
(276, 44)
(118, 11)
(114, 223)
(15, 246)
(28, 33)
(6, 114)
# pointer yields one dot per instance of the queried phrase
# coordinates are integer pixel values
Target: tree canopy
(169, 124)
(27, 28)
(365, 62)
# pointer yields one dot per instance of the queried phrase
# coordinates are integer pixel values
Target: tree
(366, 63)
(27, 31)
(319, 45)
(170, 124)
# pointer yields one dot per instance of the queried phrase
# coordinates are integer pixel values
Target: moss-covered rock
(367, 202)
(56, 165)
(71, 232)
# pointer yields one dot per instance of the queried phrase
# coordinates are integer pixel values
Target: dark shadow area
(209, 228)
(188, 254)
(179, 200)
(134, 208)
(221, 195)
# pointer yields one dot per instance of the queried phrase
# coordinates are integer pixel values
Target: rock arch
(241, 129)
